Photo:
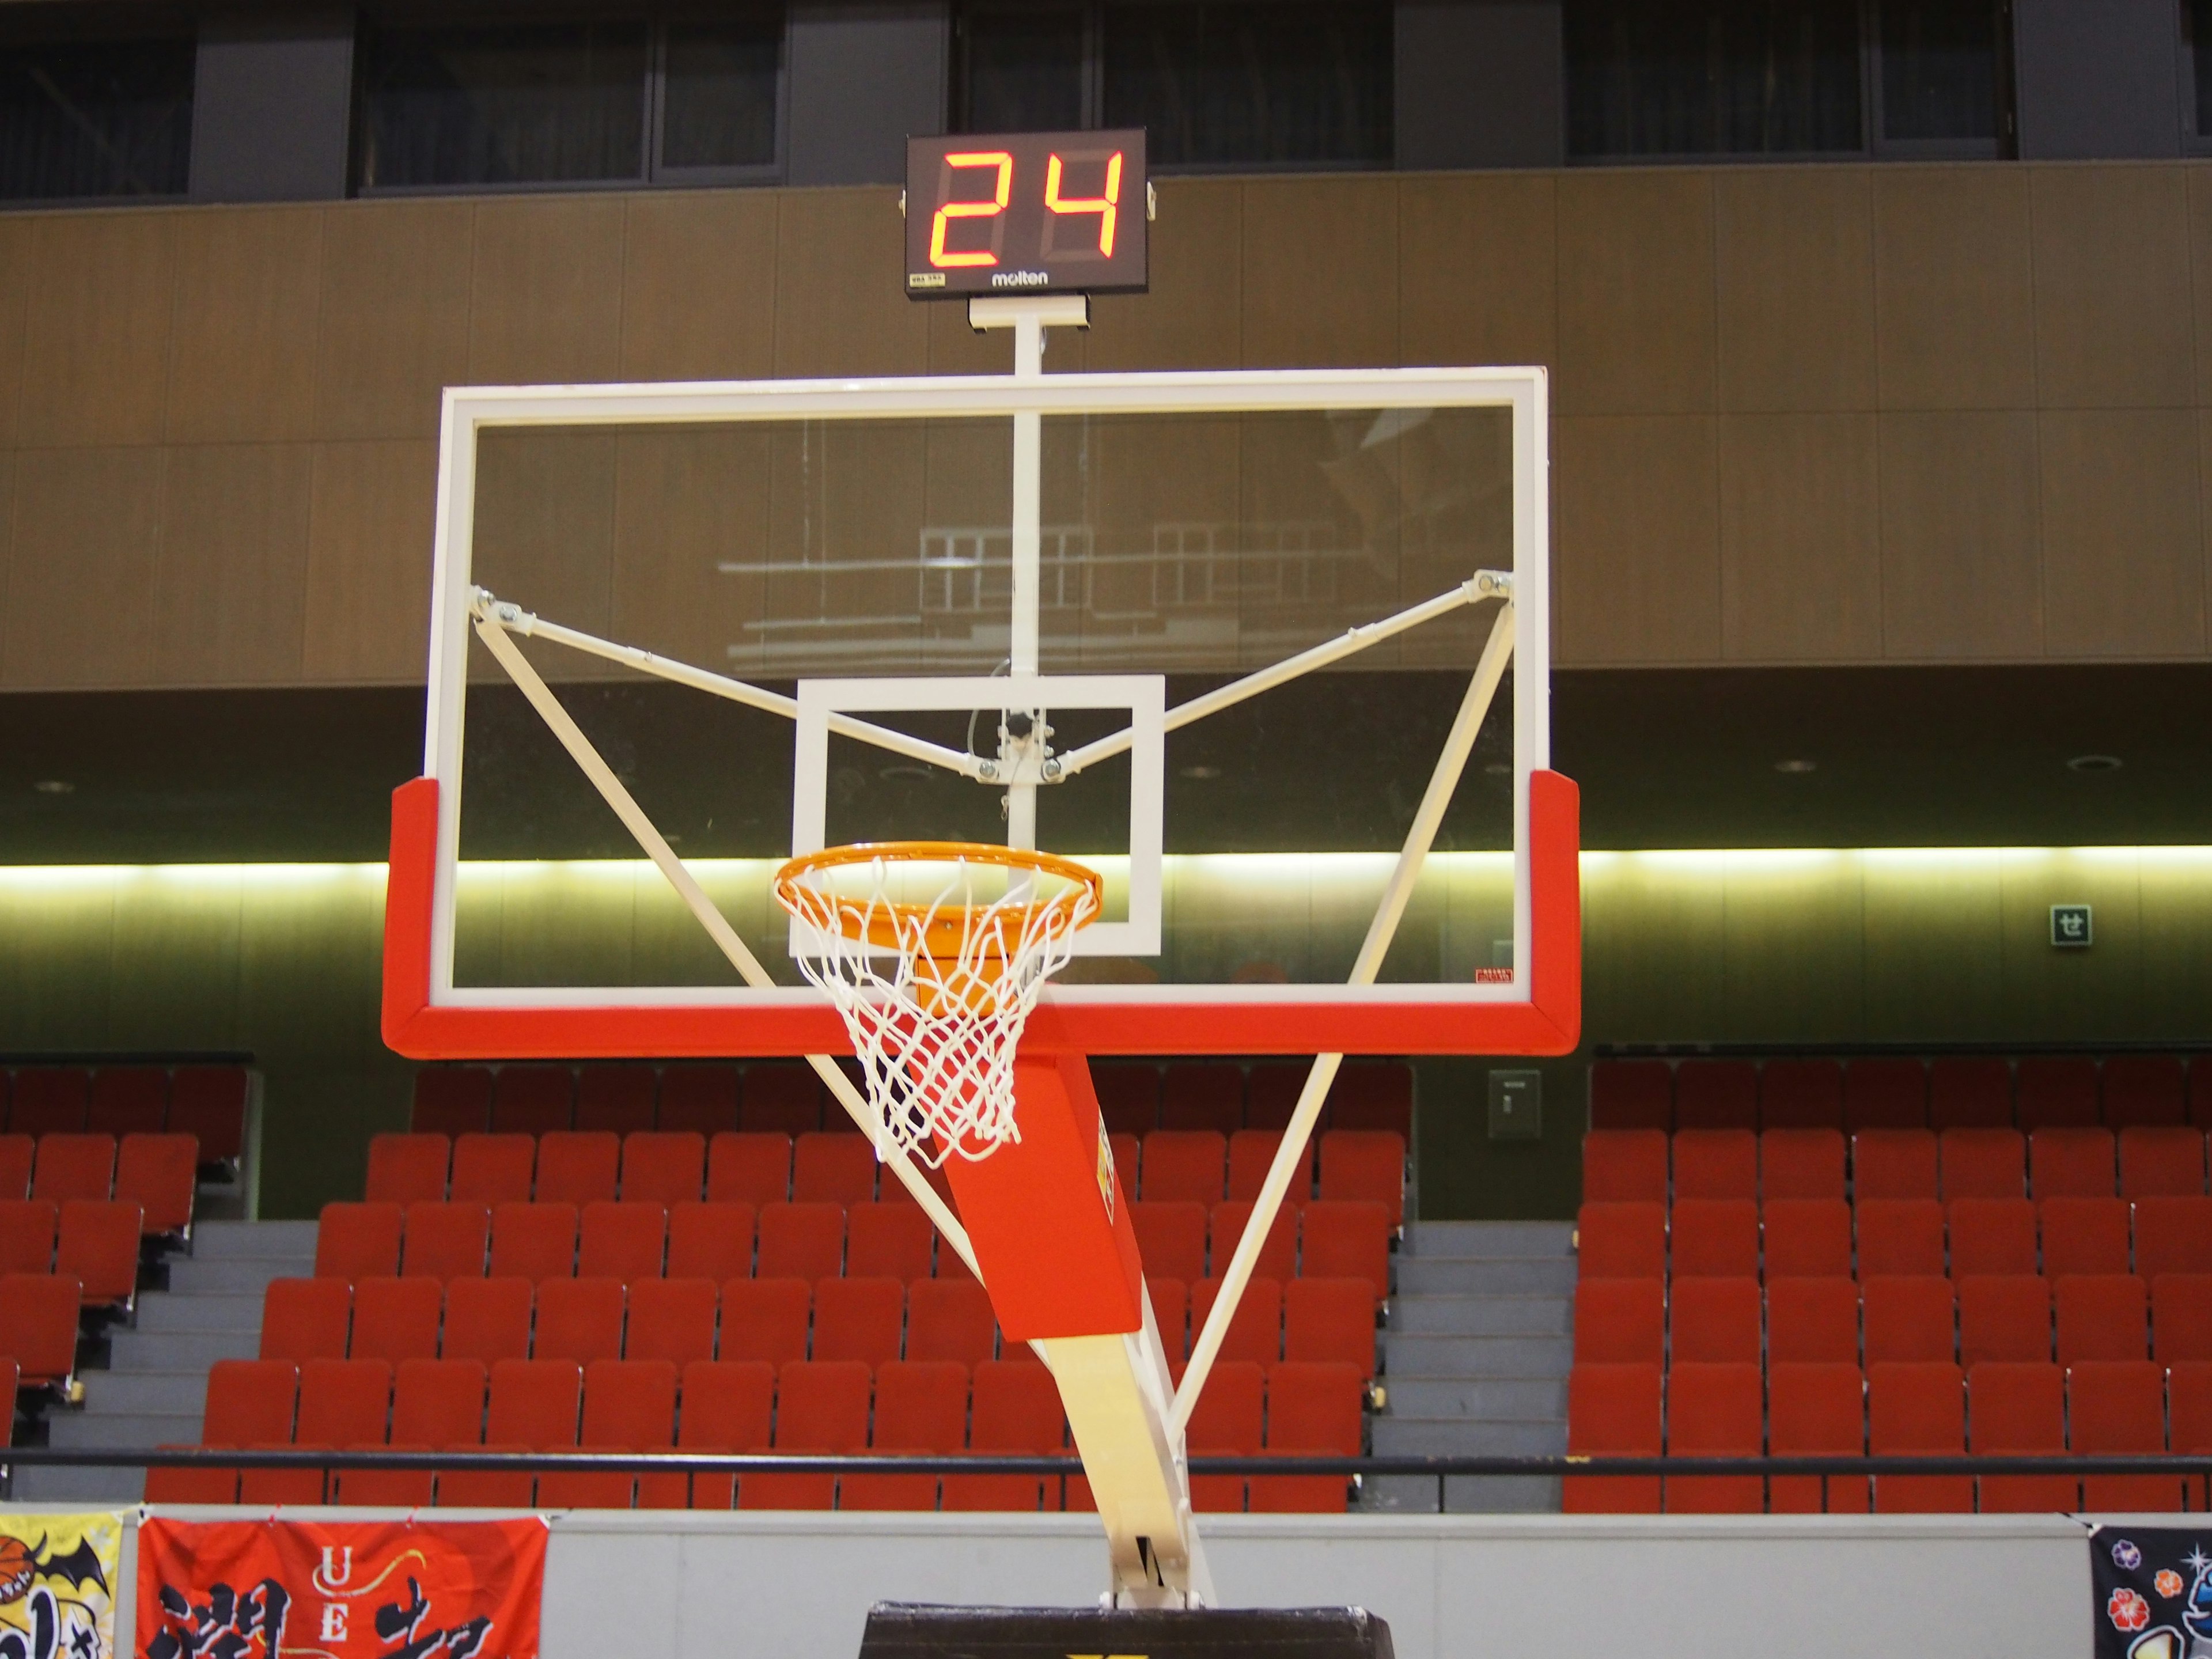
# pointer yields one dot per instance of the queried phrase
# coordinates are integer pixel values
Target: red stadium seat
(785, 1100)
(2055, 1091)
(532, 1407)
(436, 1404)
(1372, 1093)
(1365, 1166)
(39, 1311)
(250, 1402)
(1807, 1237)
(446, 1241)
(580, 1319)
(1206, 1095)
(861, 1319)
(626, 1241)
(728, 1407)
(666, 1168)
(2084, 1236)
(766, 1319)
(2070, 1163)
(494, 1169)
(2181, 1317)
(948, 1319)
(50, 1100)
(2116, 1408)
(822, 1408)
(1353, 1241)
(574, 1167)
(2173, 1236)
(1993, 1236)
(1625, 1166)
(1251, 1152)
(1969, 1093)
(530, 1240)
(207, 1102)
(888, 1241)
(1331, 1321)
(1893, 1163)
(1815, 1411)
(700, 1100)
(833, 1169)
(1918, 1409)
(1314, 1409)
(1801, 1163)
(1256, 1329)
(2102, 1316)
(1613, 1241)
(801, 1241)
(1128, 1153)
(1128, 1095)
(451, 1100)
(710, 1241)
(1983, 1163)
(2144, 1091)
(27, 1236)
(533, 1100)
(1184, 1166)
(1171, 1238)
(921, 1406)
(1620, 1321)
(396, 1319)
(1716, 1094)
(2189, 1417)
(671, 1319)
(749, 1169)
(1800, 1094)
(406, 1169)
(74, 1166)
(1016, 1412)
(17, 1152)
(1899, 1237)
(1277, 1257)
(1714, 1321)
(97, 1243)
(1885, 1094)
(355, 1240)
(1716, 1163)
(486, 1319)
(2164, 1162)
(1813, 1321)
(2020, 1411)
(1909, 1319)
(615, 1098)
(1228, 1422)
(1632, 1094)
(1714, 1237)
(1170, 1300)
(1612, 1411)
(628, 1405)
(342, 1402)
(128, 1100)
(2004, 1318)
(1714, 1410)
(306, 1319)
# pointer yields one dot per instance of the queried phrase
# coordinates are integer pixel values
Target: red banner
(342, 1590)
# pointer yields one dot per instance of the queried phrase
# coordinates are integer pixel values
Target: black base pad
(905, 1630)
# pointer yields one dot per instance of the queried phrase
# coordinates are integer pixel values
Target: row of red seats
(1996, 1316)
(822, 1406)
(874, 1321)
(1807, 1237)
(1135, 1097)
(96, 1244)
(205, 1102)
(1954, 1092)
(1926, 1409)
(670, 1166)
(158, 1173)
(1646, 1163)
(1328, 1238)
(39, 1313)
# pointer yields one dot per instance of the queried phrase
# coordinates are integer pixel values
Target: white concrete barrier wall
(681, 1585)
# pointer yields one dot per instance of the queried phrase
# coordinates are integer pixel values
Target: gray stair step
(1477, 1396)
(1490, 1238)
(179, 1350)
(133, 1430)
(111, 1391)
(212, 1239)
(1481, 1316)
(1486, 1275)
(1468, 1436)
(233, 1275)
(1476, 1356)
(177, 1311)
(56, 1486)
(1463, 1495)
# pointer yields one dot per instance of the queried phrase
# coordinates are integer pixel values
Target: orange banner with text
(342, 1590)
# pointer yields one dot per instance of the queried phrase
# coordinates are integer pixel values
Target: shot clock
(1025, 213)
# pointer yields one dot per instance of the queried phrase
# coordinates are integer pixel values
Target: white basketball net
(935, 1032)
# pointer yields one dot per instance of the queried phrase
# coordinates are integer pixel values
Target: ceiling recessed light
(54, 787)
(2093, 763)
(1201, 773)
(1796, 767)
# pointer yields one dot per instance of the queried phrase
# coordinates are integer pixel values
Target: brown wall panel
(1478, 274)
(1192, 317)
(1636, 293)
(230, 585)
(18, 237)
(368, 562)
(95, 364)
(81, 562)
(1636, 556)
(1961, 572)
(1794, 269)
(544, 534)
(394, 329)
(698, 298)
(2113, 322)
(839, 307)
(545, 296)
(1801, 538)
(686, 502)
(1953, 292)
(2123, 533)
(1321, 273)
(242, 350)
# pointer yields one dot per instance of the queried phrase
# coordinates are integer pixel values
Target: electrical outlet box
(1517, 1105)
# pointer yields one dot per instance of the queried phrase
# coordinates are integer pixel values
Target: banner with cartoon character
(342, 1589)
(57, 1576)
(2154, 1588)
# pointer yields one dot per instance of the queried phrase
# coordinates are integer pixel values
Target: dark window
(1713, 77)
(719, 92)
(1228, 85)
(96, 118)
(1024, 70)
(2199, 16)
(1939, 70)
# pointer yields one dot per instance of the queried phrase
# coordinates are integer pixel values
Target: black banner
(2154, 1589)
(898, 1629)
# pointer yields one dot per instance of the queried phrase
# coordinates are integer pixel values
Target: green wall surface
(1814, 946)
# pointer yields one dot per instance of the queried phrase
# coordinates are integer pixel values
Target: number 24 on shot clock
(1025, 213)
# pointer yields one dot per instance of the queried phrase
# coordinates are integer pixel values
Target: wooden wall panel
(18, 235)
(1793, 937)
(231, 577)
(545, 295)
(1636, 292)
(80, 563)
(394, 326)
(175, 985)
(1801, 538)
(1794, 267)
(1636, 556)
(1933, 931)
(1478, 269)
(2123, 533)
(544, 533)
(1962, 568)
(698, 296)
(1321, 272)
(2112, 303)
(685, 503)
(1953, 290)
(242, 348)
(95, 365)
(1192, 317)
(368, 562)
(2073, 994)
(839, 307)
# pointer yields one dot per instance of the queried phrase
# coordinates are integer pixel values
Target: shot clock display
(1025, 213)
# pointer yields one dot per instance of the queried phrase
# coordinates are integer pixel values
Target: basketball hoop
(935, 990)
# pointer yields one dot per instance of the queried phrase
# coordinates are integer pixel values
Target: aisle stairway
(1477, 1347)
(154, 1386)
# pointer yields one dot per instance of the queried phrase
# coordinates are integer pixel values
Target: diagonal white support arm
(1290, 1154)
(718, 928)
